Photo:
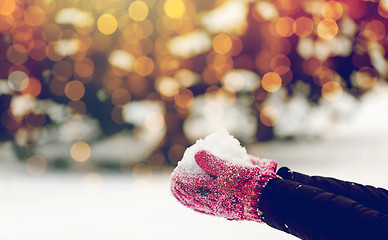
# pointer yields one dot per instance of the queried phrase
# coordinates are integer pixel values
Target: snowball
(220, 144)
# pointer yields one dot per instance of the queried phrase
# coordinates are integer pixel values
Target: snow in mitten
(220, 187)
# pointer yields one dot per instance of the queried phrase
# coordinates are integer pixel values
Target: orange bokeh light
(37, 50)
(17, 54)
(332, 10)
(184, 99)
(222, 43)
(280, 64)
(269, 116)
(303, 26)
(7, 7)
(144, 66)
(84, 69)
(327, 29)
(375, 30)
(284, 26)
(74, 90)
(331, 91)
(120, 97)
(34, 87)
(34, 16)
(62, 70)
(271, 82)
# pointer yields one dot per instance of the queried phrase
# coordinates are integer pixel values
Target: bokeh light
(156, 160)
(76, 67)
(269, 116)
(332, 10)
(366, 77)
(375, 30)
(175, 153)
(34, 16)
(284, 26)
(233, 81)
(76, 109)
(303, 26)
(120, 97)
(266, 10)
(184, 99)
(18, 81)
(138, 10)
(222, 43)
(80, 151)
(62, 70)
(121, 59)
(174, 8)
(7, 7)
(34, 87)
(84, 69)
(17, 54)
(154, 121)
(271, 81)
(167, 86)
(107, 24)
(331, 91)
(144, 66)
(74, 90)
(327, 29)
(35, 120)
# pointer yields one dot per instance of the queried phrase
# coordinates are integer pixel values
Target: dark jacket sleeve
(376, 198)
(313, 213)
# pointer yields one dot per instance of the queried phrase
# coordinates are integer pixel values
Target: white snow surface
(220, 144)
(64, 206)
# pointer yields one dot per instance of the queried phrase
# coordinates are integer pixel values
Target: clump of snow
(220, 144)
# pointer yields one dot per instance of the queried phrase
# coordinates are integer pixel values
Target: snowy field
(60, 207)
(73, 205)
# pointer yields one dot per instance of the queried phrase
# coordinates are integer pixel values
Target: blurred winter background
(99, 99)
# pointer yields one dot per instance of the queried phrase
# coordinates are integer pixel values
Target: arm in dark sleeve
(376, 198)
(312, 213)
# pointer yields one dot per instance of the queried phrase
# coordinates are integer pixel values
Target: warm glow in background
(131, 84)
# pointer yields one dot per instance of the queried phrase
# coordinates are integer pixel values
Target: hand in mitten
(223, 189)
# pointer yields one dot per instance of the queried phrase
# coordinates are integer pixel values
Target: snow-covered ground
(61, 206)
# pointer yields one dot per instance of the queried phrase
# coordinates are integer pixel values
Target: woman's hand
(223, 189)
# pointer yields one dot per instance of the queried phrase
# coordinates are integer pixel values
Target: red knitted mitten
(223, 188)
